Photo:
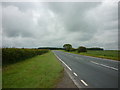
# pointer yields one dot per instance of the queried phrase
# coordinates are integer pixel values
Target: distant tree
(82, 49)
(51, 48)
(67, 47)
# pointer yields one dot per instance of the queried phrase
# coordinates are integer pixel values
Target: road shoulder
(66, 82)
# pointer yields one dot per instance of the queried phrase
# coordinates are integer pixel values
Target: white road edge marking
(75, 82)
(84, 83)
(75, 74)
(64, 63)
(104, 65)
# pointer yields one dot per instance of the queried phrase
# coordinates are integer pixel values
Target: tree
(67, 47)
(82, 49)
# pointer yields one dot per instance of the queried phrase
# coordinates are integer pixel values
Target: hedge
(13, 55)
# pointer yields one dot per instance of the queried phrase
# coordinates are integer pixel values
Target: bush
(13, 55)
(82, 49)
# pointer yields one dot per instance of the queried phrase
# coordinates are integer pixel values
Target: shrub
(82, 49)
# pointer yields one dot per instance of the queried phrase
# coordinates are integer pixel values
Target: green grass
(0, 77)
(108, 54)
(43, 71)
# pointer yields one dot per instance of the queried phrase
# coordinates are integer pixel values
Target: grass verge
(42, 71)
(107, 54)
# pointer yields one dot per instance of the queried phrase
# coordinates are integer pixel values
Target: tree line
(68, 47)
(51, 48)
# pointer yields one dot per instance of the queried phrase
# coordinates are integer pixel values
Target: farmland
(108, 54)
(41, 71)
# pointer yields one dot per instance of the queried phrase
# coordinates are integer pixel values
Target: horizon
(55, 47)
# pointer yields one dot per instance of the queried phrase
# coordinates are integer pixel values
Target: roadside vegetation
(42, 71)
(13, 55)
(95, 52)
(0, 67)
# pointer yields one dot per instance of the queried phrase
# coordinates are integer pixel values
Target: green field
(42, 71)
(108, 54)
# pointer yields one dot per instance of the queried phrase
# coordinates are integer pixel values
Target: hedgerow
(13, 55)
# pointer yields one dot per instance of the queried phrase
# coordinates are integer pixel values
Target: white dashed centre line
(84, 83)
(94, 62)
(104, 65)
(108, 67)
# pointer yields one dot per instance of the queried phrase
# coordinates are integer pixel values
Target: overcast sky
(90, 24)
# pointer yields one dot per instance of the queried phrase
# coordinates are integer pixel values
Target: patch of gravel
(66, 82)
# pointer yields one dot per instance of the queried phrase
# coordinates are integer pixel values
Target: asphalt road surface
(91, 72)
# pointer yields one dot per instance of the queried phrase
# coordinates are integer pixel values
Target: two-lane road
(90, 71)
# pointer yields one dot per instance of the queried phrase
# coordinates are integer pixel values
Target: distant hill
(95, 48)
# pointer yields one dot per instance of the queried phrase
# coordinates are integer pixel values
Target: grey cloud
(72, 17)
(68, 7)
(72, 14)
(16, 23)
(22, 6)
(53, 24)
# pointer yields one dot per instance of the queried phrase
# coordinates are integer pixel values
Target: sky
(53, 24)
